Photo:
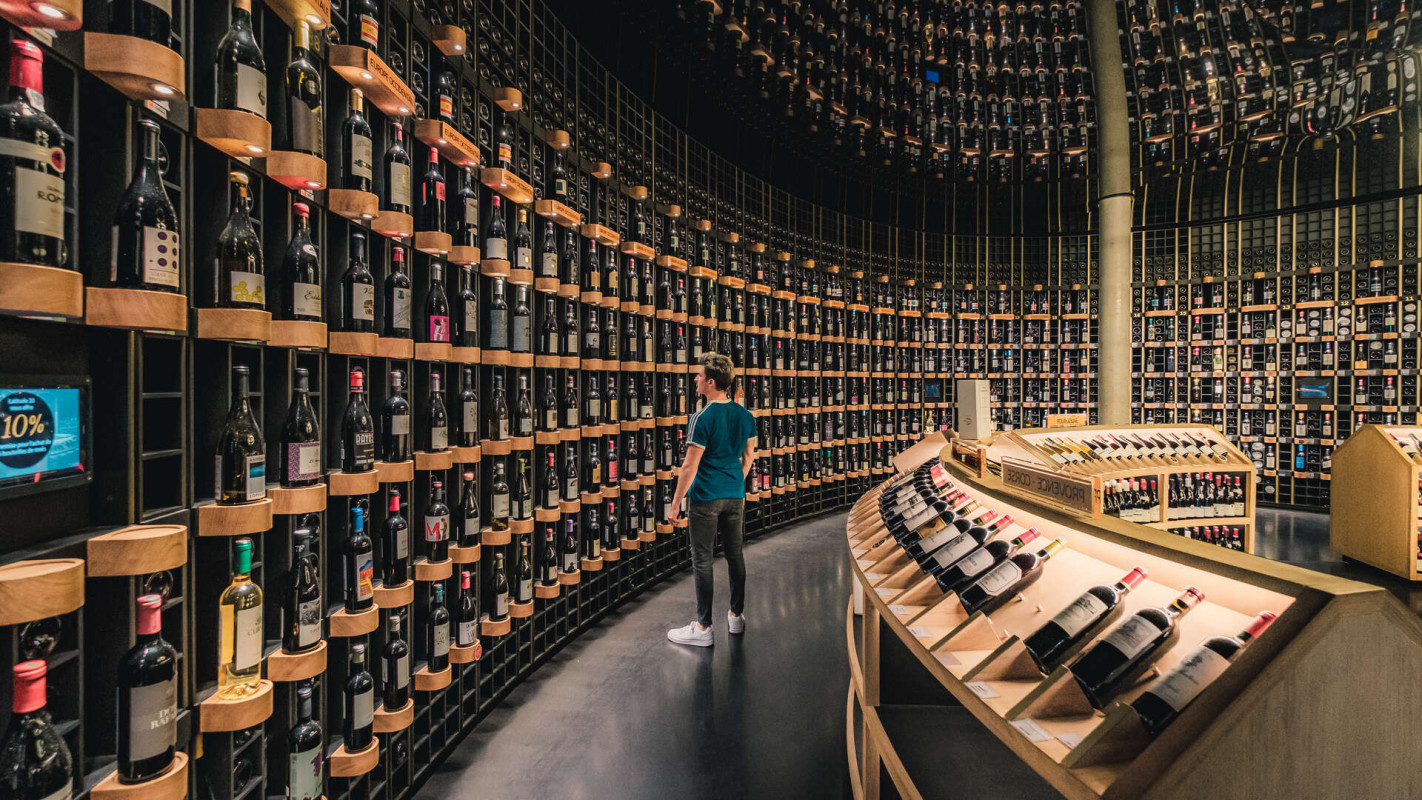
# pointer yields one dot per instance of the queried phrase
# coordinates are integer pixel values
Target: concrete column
(1113, 214)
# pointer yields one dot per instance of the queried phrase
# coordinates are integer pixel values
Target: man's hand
(675, 513)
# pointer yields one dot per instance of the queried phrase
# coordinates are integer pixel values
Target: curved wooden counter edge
(287, 667)
(40, 588)
(387, 721)
(345, 764)
(137, 550)
(218, 715)
(426, 681)
(243, 519)
(171, 785)
(30, 289)
(298, 499)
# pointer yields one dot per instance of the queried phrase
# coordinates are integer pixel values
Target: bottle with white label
(148, 698)
(399, 298)
(241, 467)
(1006, 580)
(466, 632)
(358, 694)
(436, 417)
(437, 632)
(437, 524)
(239, 635)
(306, 747)
(399, 189)
(145, 233)
(359, 147)
(241, 274)
(300, 272)
(1073, 627)
(501, 588)
(500, 498)
(300, 437)
(303, 613)
(496, 241)
(34, 759)
(395, 665)
(1163, 701)
(1122, 655)
(357, 291)
(241, 69)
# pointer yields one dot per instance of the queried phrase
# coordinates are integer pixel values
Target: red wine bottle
(398, 297)
(358, 694)
(1129, 649)
(467, 632)
(301, 272)
(961, 545)
(1163, 701)
(357, 291)
(145, 232)
(437, 632)
(148, 698)
(395, 666)
(241, 69)
(432, 196)
(470, 518)
(395, 422)
(357, 429)
(306, 751)
(1065, 634)
(1004, 581)
(300, 437)
(34, 760)
(303, 612)
(395, 544)
(241, 451)
(360, 565)
(436, 417)
(437, 524)
(399, 188)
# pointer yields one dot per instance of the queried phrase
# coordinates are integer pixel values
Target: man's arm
(747, 458)
(683, 483)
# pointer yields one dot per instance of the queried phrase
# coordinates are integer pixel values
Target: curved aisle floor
(622, 712)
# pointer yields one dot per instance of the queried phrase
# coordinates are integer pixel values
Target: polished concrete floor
(622, 712)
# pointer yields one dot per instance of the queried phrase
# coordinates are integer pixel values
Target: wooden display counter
(1376, 502)
(1294, 690)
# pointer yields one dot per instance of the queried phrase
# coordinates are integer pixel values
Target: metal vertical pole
(1113, 214)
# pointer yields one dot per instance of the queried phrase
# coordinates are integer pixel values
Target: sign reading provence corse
(1076, 494)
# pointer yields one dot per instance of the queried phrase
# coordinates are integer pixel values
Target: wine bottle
(1168, 696)
(501, 588)
(437, 632)
(445, 88)
(363, 19)
(151, 20)
(432, 196)
(1073, 627)
(1130, 648)
(572, 271)
(357, 429)
(467, 630)
(466, 210)
(571, 403)
(306, 127)
(241, 276)
(570, 474)
(148, 698)
(359, 557)
(469, 411)
(301, 271)
(548, 416)
(34, 759)
(1006, 580)
(560, 179)
(32, 191)
(548, 251)
(496, 237)
(437, 525)
(399, 189)
(239, 656)
(524, 571)
(523, 408)
(436, 417)
(306, 748)
(436, 306)
(498, 316)
(300, 437)
(470, 524)
(570, 545)
(395, 666)
(548, 568)
(500, 492)
(395, 422)
(145, 233)
(359, 146)
(241, 450)
(551, 487)
(397, 297)
(395, 543)
(358, 291)
(358, 728)
(504, 143)
(520, 498)
(304, 610)
(523, 242)
(465, 315)
(499, 422)
(521, 336)
(241, 69)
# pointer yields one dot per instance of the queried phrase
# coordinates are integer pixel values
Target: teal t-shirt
(722, 429)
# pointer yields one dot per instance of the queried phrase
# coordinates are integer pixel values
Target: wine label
(153, 720)
(305, 772)
(571, 416)
(362, 157)
(505, 152)
(437, 528)
(501, 604)
(369, 31)
(39, 199)
(305, 298)
(1133, 636)
(501, 505)
(470, 420)
(256, 477)
(401, 190)
(252, 90)
(549, 265)
(594, 407)
(550, 418)
(560, 187)
(523, 257)
(1078, 616)
(402, 543)
(400, 307)
(304, 460)
(521, 340)
(446, 106)
(1190, 677)
(247, 287)
(247, 639)
(498, 329)
(1000, 579)
(465, 634)
(496, 248)
(399, 424)
(441, 639)
(593, 340)
(612, 470)
(363, 709)
(471, 316)
(950, 553)
(306, 128)
(160, 256)
(502, 428)
(472, 525)
(525, 588)
(525, 426)
(402, 671)
(363, 303)
(308, 623)
(365, 577)
(439, 329)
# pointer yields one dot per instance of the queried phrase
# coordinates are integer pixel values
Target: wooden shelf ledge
(601, 234)
(557, 139)
(393, 224)
(496, 627)
(430, 462)
(462, 254)
(298, 499)
(431, 351)
(137, 550)
(391, 347)
(352, 204)
(298, 335)
(492, 538)
(611, 555)
(450, 39)
(289, 667)
(316, 13)
(36, 589)
(638, 250)
(601, 170)
(433, 242)
(392, 721)
(234, 324)
(496, 447)
(521, 610)
(465, 355)
(547, 592)
(218, 715)
(345, 624)
(345, 764)
(447, 139)
(426, 681)
(508, 98)
(364, 69)
(495, 268)
(465, 655)
(426, 571)
(591, 564)
(171, 785)
(399, 596)
(467, 455)
(350, 484)
(395, 471)
(506, 183)
(31, 290)
(236, 133)
(242, 519)
(352, 344)
(570, 578)
(559, 213)
(140, 69)
(296, 171)
(465, 555)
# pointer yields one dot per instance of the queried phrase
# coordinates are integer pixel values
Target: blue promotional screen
(41, 434)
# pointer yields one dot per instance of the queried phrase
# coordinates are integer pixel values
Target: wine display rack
(917, 653)
(1377, 508)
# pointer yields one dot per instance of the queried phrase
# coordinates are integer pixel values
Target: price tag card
(919, 631)
(863, 562)
(872, 576)
(981, 689)
(883, 592)
(1071, 740)
(1030, 729)
(947, 659)
(898, 609)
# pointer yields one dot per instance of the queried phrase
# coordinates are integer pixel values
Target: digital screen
(931, 75)
(43, 433)
(933, 391)
(1318, 390)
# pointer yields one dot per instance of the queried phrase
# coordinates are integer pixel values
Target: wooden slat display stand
(1297, 686)
(1376, 510)
(1235, 463)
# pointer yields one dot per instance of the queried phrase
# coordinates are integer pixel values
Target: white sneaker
(692, 634)
(737, 622)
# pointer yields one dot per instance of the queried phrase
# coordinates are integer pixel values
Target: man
(718, 458)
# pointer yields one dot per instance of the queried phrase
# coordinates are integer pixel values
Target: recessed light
(366, 76)
(164, 89)
(254, 149)
(50, 11)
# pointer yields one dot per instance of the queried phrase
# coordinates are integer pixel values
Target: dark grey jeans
(704, 519)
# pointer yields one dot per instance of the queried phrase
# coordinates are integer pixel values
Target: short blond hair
(719, 369)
